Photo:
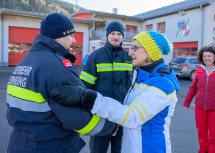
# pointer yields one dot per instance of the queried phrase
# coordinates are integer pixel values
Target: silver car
(184, 66)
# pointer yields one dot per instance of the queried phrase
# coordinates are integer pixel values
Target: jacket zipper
(206, 95)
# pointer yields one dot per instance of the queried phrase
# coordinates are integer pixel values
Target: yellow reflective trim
(25, 94)
(138, 111)
(126, 116)
(88, 77)
(104, 64)
(105, 70)
(86, 80)
(105, 67)
(122, 66)
(90, 126)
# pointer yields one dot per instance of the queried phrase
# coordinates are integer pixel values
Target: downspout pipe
(1, 42)
(202, 27)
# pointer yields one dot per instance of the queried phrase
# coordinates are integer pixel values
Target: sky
(124, 7)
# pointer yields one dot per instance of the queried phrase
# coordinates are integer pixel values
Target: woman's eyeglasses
(134, 48)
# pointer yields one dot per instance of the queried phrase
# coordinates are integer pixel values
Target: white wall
(193, 18)
(97, 44)
(1, 40)
(209, 24)
(80, 27)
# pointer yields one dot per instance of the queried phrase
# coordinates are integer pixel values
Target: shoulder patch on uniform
(66, 63)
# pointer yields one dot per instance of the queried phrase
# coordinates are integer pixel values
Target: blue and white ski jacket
(147, 112)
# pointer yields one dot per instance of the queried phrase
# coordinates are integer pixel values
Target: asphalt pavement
(183, 132)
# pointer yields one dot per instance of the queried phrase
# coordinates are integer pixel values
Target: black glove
(73, 95)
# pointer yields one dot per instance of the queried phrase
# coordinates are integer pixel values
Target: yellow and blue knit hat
(154, 43)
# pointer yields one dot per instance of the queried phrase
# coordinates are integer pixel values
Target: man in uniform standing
(107, 71)
(39, 123)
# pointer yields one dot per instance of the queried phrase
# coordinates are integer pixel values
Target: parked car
(184, 66)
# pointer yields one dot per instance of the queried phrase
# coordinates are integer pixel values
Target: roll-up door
(20, 42)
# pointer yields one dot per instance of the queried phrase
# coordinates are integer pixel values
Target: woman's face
(208, 58)
(138, 54)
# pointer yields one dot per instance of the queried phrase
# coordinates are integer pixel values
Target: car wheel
(192, 75)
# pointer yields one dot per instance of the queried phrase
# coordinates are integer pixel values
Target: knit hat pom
(155, 44)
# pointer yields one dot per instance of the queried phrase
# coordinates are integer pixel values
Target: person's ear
(148, 59)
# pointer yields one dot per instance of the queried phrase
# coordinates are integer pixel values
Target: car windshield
(194, 61)
(178, 60)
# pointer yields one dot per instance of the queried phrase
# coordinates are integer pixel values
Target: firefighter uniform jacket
(30, 108)
(108, 71)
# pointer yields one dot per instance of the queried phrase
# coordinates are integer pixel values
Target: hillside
(40, 6)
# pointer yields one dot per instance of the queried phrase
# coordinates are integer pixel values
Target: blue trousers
(100, 144)
(19, 143)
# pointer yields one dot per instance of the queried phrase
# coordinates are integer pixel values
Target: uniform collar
(54, 46)
(146, 72)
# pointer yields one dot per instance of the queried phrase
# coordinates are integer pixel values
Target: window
(131, 28)
(149, 27)
(194, 61)
(131, 31)
(161, 27)
(100, 25)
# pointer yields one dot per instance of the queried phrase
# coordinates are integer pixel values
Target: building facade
(189, 25)
(19, 28)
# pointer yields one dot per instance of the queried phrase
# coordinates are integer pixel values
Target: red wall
(27, 35)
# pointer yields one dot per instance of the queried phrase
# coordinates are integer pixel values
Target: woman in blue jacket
(149, 104)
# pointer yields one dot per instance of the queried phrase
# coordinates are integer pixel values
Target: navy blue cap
(56, 25)
(115, 26)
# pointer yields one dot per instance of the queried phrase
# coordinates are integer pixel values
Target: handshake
(72, 95)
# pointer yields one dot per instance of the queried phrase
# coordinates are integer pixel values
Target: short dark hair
(209, 48)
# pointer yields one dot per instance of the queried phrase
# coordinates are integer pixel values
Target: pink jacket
(203, 87)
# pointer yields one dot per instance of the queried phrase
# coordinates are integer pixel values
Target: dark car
(184, 66)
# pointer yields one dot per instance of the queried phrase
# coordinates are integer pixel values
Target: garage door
(20, 41)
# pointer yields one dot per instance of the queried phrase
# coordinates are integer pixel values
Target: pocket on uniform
(105, 80)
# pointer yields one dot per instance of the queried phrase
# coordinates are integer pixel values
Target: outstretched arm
(137, 113)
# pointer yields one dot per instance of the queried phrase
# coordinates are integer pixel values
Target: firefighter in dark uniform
(40, 125)
(108, 70)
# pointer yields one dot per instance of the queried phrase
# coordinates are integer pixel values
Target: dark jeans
(100, 144)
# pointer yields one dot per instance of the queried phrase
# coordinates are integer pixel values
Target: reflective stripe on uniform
(88, 77)
(105, 67)
(26, 100)
(95, 125)
(25, 94)
(98, 127)
(27, 105)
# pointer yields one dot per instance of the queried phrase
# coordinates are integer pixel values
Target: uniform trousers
(19, 143)
(100, 144)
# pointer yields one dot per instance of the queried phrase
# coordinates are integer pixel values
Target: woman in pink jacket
(203, 87)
